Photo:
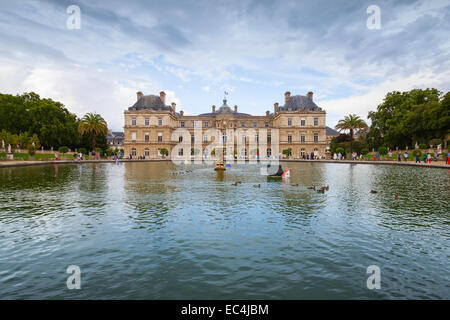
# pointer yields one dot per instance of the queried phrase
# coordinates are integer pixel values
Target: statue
(9, 155)
(416, 146)
(3, 144)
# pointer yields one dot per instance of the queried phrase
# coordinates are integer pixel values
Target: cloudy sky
(195, 50)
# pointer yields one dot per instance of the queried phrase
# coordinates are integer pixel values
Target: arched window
(147, 152)
(269, 152)
(133, 152)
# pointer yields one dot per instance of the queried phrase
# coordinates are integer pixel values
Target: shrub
(83, 150)
(287, 152)
(123, 151)
(416, 151)
(347, 150)
(423, 146)
(364, 151)
(99, 151)
(63, 150)
(383, 151)
(109, 152)
(31, 150)
(163, 151)
(340, 150)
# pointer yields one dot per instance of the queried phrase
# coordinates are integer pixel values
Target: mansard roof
(150, 102)
(332, 132)
(299, 102)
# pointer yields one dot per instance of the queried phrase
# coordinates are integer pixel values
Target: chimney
(275, 107)
(181, 113)
(235, 108)
(287, 95)
(139, 95)
(213, 108)
(310, 95)
(174, 107)
(267, 113)
(162, 95)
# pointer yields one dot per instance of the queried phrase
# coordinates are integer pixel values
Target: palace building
(298, 126)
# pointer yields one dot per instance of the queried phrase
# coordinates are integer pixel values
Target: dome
(224, 109)
(150, 102)
(298, 102)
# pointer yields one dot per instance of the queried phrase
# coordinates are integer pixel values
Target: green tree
(162, 151)
(94, 125)
(383, 151)
(405, 118)
(63, 150)
(50, 120)
(353, 124)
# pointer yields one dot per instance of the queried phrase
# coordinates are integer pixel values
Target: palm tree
(93, 124)
(352, 123)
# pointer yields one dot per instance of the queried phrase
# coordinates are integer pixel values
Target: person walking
(399, 157)
(429, 158)
(406, 156)
(417, 157)
(390, 156)
(424, 158)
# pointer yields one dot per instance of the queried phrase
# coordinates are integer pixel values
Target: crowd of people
(426, 157)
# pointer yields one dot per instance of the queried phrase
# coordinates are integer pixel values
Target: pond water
(159, 231)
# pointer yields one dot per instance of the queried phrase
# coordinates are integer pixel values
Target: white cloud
(368, 101)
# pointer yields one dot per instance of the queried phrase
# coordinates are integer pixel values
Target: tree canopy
(353, 124)
(405, 118)
(49, 120)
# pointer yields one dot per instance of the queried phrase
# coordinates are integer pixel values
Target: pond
(153, 230)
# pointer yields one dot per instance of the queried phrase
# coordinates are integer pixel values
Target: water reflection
(190, 232)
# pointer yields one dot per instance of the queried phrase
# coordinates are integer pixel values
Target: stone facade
(150, 125)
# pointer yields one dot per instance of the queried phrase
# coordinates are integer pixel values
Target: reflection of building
(151, 125)
(115, 140)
